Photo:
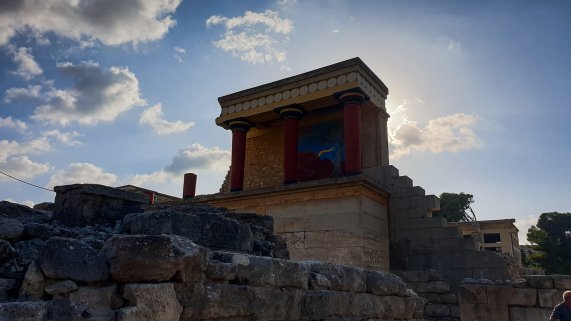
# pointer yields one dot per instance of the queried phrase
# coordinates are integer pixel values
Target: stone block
(33, 285)
(432, 287)
(539, 281)
(523, 297)
(529, 314)
(142, 258)
(427, 222)
(419, 276)
(10, 229)
(491, 273)
(381, 283)
(333, 238)
(150, 302)
(398, 181)
(445, 298)
(548, 298)
(432, 202)
(348, 255)
(339, 277)
(349, 221)
(61, 287)
(92, 204)
(220, 271)
(93, 303)
(394, 307)
(409, 306)
(279, 225)
(23, 311)
(374, 208)
(324, 305)
(562, 282)
(437, 310)
(6, 251)
(390, 171)
(367, 306)
(298, 224)
(265, 271)
(63, 258)
(294, 240)
(484, 312)
(499, 294)
(472, 294)
(286, 210)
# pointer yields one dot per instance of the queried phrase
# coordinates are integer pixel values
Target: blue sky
(125, 92)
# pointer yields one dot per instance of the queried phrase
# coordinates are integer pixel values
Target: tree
(552, 237)
(456, 207)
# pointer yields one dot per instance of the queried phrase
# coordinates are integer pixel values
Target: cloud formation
(16, 124)
(452, 133)
(14, 161)
(27, 67)
(178, 52)
(255, 37)
(111, 22)
(67, 138)
(153, 117)
(98, 94)
(194, 158)
(82, 173)
(18, 94)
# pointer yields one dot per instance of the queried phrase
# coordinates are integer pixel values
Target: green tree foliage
(456, 207)
(552, 237)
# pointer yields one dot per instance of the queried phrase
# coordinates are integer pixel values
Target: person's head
(567, 296)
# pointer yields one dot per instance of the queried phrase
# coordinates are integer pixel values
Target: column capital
(290, 111)
(352, 96)
(242, 124)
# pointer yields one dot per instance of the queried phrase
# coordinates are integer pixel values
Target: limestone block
(529, 314)
(63, 258)
(562, 282)
(294, 240)
(6, 251)
(93, 303)
(33, 285)
(348, 221)
(61, 287)
(279, 225)
(10, 229)
(523, 297)
(220, 271)
(23, 311)
(548, 298)
(432, 287)
(427, 222)
(91, 204)
(349, 255)
(285, 210)
(381, 283)
(455, 312)
(340, 277)
(446, 298)
(394, 307)
(539, 281)
(150, 302)
(484, 312)
(409, 306)
(368, 306)
(167, 221)
(419, 307)
(398, 181)
(390, 171)
(419, 276)
(7, 287)
(324, 304)
(472, 294)
(491, 273)
(432, 202)
(374, 208)
(333, 238)
(437, 310)
(141, 258)
(499, 294)
(27, 251)
(297, 224)
(265, 271)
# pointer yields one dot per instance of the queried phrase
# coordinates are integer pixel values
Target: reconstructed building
(312, 151)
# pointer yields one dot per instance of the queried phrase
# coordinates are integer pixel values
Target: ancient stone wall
(145, 267)
(531, 299)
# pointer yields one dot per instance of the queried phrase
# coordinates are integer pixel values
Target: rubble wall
(531, 299)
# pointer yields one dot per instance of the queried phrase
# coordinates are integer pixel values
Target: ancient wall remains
(531, 299)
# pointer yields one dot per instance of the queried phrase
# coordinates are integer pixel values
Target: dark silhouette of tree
(552, 237)
(456, 207)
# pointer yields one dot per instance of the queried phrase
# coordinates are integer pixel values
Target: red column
(352, 102)
(189, 187)
(239, 130)
(291, 117)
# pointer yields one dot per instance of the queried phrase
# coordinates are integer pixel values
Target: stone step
(390, 171)
(396, 182)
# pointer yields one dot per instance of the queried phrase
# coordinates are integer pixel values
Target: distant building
(494, 235)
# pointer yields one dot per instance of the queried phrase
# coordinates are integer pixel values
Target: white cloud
(523, 226)
(153, 117)
(81, 173)
(27, 68)
(178, 52)
(286, 3)
(67, 138)
(452, 133)
(99, 94)
(111, 22)
(28, 203)
(15, 94)
(8, 122)
(253, 37)
(33, 146)
(22, 167)
(195, 158)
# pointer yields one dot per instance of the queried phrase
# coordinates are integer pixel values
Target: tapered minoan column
(239, 129)
(352, 102)
(290, 116)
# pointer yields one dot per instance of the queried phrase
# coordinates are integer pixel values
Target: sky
(125, 92)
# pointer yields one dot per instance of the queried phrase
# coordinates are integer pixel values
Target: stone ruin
(173, 262)
(311, 223)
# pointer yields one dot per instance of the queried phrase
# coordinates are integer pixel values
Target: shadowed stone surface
(64, 258)
(150, 302)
